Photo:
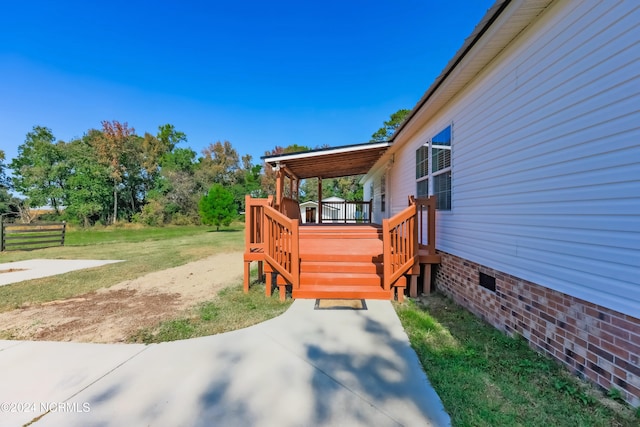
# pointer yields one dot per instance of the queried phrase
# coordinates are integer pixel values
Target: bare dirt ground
(112, 314)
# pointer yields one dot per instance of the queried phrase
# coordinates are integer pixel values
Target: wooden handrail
(400, 245)
(281, 249)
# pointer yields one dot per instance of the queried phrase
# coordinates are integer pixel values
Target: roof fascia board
(325, 151)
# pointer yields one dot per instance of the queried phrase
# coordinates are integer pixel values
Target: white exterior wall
(374, 182)
(546, 157)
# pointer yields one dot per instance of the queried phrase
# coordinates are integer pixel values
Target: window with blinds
(433, 169)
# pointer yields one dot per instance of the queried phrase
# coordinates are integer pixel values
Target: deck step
(340, 279)
(350, 266)
(340, 258)
(319, 247)
(340, 232)
(338, 261)
(319, 291)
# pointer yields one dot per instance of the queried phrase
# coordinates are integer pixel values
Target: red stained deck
(337, 261)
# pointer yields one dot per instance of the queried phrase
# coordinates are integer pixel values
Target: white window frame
(431, 175)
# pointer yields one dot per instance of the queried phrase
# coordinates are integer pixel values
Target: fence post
(1, 233)
(64, 229)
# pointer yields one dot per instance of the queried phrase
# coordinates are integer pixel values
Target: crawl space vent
(487, 282)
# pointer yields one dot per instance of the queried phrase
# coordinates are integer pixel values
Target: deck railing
(254, 222)
(345, 212)
(281, 249)
(426, 209)
(400, 245)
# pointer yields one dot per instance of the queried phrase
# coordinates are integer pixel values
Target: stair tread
(338, 274)
(365, 292)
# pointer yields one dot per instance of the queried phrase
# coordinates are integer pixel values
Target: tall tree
(112, 150)
(156, 147)
(4, 180)
(175, 194)
(8, 203)
(390, 126)
(170, 137)
(220, 164)
(89, 184)
(39, 170)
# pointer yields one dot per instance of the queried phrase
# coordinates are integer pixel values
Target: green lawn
(143, 249)
(485, 378)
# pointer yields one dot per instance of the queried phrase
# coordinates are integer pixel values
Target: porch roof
(333, 162)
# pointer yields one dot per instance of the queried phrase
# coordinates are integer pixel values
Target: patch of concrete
(38, 268)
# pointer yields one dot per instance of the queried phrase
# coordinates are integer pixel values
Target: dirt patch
(113, 314)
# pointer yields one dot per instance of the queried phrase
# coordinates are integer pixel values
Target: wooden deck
(338, 260)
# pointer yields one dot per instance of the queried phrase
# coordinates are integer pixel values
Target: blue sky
(255, 73)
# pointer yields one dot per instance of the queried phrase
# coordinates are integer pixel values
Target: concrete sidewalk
(38, 268)
(305, 368)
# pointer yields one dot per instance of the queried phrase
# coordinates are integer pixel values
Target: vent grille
(487, 282)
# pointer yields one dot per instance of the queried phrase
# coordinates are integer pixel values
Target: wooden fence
(31, 236)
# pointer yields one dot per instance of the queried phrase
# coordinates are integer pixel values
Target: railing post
(64, 229)
(386, 255)
(345, 211)
(431, 220)
(248, 212)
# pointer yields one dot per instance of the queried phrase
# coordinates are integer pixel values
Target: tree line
(113, 174)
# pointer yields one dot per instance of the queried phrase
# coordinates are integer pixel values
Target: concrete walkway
(305, 368)
(38, 268)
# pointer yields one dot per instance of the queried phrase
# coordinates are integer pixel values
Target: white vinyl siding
(546, 163)
(373, 191)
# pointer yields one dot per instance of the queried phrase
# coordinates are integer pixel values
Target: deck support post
(413, 286)
(426, 279)
(400, 286)
(319, 200)
(260, 271)
(271, 280)
(247, 276)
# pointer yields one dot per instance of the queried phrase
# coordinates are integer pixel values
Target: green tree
(220, 164)
(39, 170)
(390, 126)
(170, 137)
(4, 180)
(88, 187)
(117, 148)
(217, 207)
(8, 203)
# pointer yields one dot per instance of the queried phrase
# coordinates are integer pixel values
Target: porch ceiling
(332, 162)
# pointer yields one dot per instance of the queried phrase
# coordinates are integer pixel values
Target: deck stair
(341, 261)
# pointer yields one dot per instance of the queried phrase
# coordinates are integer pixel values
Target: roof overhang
(334, 162)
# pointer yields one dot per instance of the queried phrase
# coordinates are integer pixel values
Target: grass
(232, 309)
(485, 378)
(143, 249)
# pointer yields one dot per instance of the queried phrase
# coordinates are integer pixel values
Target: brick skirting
(596, 343)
